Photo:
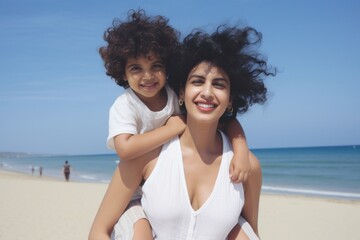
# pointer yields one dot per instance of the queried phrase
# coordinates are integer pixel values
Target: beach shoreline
(36, 208)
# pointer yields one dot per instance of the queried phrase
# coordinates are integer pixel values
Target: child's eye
(134, 69)
(158, 66)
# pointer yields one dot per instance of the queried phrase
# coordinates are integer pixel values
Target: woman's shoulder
(162, 155)
(149, 161)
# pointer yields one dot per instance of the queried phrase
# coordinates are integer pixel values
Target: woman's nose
(207, 91)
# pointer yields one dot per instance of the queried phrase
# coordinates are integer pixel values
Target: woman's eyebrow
(221, 79)
(196, 76)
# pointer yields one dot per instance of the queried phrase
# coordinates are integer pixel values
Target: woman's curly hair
(137, 36)
(233, 50)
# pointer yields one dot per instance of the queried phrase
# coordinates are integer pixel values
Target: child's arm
(130, 146)
(240, 165)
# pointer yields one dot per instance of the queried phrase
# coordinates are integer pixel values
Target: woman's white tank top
(166, 201)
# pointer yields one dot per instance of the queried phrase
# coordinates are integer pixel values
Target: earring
(230, 109)
(181, 102)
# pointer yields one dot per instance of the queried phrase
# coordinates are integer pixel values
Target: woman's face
(207, 92)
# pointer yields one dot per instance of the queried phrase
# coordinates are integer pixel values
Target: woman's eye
(197, 82)
(219, 85)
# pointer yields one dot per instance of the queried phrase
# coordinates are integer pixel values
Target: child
(137, 55)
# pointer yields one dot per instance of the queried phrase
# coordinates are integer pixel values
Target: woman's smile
(205, 107)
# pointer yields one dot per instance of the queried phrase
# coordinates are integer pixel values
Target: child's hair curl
(138, 36)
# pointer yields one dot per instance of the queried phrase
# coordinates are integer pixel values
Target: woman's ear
(230, 102)
(229, 108)
(181, 98)
(181, 94)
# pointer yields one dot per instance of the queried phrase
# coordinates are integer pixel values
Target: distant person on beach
(32, 169)
(139, 55)
(40, 170)
(212, 88)
(66, 170)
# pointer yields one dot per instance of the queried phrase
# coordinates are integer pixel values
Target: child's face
(146, 76)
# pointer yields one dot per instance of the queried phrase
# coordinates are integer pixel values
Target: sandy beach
(39, 208)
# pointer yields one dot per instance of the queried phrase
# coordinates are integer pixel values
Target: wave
(5, 165)
(311, 192)
(87, 177)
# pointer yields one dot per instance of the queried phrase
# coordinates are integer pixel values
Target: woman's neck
(201, 136)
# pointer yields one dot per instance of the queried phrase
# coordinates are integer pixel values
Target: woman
(188, 193)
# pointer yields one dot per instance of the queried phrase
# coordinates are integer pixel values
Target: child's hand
(177, 123)
(240, 169)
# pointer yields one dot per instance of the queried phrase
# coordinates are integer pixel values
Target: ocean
(331, 172)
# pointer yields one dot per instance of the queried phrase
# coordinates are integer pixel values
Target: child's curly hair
(233, 50)
(136, 37)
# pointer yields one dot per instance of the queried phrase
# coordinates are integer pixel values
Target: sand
(37, 208)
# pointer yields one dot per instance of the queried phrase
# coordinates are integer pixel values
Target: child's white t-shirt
(129, 114)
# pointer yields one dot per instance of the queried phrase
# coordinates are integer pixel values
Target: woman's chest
(200, 179)
(179, 189)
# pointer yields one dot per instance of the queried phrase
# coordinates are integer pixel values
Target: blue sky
(55, 96)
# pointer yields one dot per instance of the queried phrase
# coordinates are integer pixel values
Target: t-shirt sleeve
(122, 119)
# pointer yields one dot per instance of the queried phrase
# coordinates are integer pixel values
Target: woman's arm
(124, 182)
(252, 190)
(130, 146)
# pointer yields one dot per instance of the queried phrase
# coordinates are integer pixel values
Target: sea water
(321, 171)
(316, 171)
